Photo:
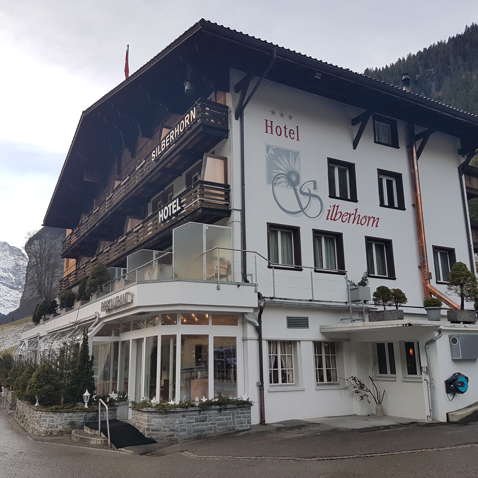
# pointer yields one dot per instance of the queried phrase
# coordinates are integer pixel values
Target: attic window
(385, 131)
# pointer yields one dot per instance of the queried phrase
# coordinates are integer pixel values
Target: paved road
(289, 453)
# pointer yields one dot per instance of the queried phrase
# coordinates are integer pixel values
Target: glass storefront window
(138, 393)
(225, 367)
(150, 367)
(195, 319)
(169, 319)
(194, 367)
(124, 367)
(103, 367)
(223, 319)
(168, 368)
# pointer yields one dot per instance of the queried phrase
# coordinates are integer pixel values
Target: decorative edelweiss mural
(291, 195)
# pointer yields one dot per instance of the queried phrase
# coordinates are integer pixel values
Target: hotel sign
(170, 139)
(117, 302)
(171, 210)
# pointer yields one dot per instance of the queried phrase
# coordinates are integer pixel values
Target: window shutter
(380, 191)
(390, 262)
(340, 252)
(353, 183)
(332, 191)
(400, 195)
(369, 252)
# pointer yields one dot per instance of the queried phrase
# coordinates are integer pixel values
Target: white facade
(317, 128)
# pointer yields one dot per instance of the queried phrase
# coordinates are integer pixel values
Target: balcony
(204, 129)
(205, 201)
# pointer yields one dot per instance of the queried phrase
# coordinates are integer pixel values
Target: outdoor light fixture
(37, 403)
(86, 398)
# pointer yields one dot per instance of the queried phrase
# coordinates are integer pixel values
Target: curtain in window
(383, 132)
(381, 259)
(287, 252)
(286, 362)
(274, 246)
(330, 253)
(273, 363)
(319, 258)
(444, 265)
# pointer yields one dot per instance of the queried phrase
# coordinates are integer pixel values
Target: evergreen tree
(83, 378)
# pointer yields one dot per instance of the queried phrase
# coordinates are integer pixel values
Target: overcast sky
(59, 56)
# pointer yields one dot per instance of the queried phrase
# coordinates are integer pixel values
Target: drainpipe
(260, 384)
(429, 372)
(428, 289)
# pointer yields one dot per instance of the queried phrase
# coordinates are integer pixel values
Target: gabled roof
(228, 48)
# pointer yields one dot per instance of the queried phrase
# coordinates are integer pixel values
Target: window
(342, 183)
(385, 131)
(412, 358)
(281, 362)
(444, 258)
(162, 199)
(328, 251)
(284, 245)
(379, 258)
(326, 362)
(385, 359)
(390, 189)
(193, 175)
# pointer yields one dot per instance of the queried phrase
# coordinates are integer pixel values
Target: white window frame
(403, 356)
(318, 236)
(279, 232)
(439, 272)
(374, 258)
(383, 178)
(319, 346)
(387, 360)
(279, 369)
(338, 192)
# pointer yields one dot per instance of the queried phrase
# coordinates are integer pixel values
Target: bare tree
(43, 257)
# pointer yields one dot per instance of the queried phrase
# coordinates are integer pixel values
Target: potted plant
(67, 299)
(384, 296)
(462, 282)
(433, 307)
(360, 292)
(374, 394)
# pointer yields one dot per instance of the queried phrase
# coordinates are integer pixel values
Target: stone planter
(382, 315)
(433, 313)
(188, 423)
(40, 422)
(122, 409)
(461, 316)
(379, 411)
(360, 294)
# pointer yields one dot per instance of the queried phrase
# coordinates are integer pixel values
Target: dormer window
(385, 131)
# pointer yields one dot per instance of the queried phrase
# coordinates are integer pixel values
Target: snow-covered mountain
(13, 264)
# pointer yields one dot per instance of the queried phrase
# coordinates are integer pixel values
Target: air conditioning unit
(464, 347)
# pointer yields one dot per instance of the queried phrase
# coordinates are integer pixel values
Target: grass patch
(23, 321)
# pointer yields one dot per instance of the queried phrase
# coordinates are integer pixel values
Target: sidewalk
(307, 440)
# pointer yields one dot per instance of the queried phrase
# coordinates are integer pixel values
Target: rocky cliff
(13, 264)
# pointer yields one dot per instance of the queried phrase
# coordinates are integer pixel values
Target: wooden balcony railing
(204, 200)
(207, 113)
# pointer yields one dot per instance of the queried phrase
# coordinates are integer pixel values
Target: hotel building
(238, 192)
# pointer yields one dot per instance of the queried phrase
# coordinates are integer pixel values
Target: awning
(390, 330)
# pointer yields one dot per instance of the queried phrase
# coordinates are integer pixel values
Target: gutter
(428, 289)
(260, 384)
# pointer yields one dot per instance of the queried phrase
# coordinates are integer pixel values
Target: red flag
(126, 63)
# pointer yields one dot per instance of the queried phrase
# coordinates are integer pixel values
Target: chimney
(406, 82)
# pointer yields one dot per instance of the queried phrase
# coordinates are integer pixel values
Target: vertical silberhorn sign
(181, 126)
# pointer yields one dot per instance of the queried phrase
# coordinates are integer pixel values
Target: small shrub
(82, 290)
(67, 299)
(99, 276)
(432, 302)
(398, 297)
(463, 283)
(382, 296)
(44, 385)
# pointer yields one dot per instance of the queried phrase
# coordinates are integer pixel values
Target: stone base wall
(184, 424)
(44, 423)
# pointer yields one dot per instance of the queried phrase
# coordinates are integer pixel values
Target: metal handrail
(102, 403)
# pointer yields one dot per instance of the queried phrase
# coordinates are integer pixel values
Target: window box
(383, 315)
(360, 294)
(461, 316)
